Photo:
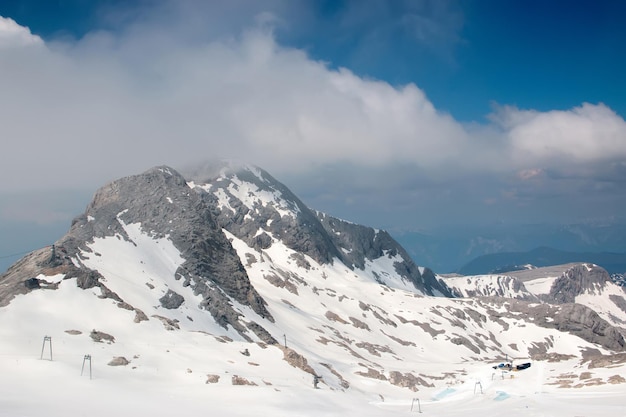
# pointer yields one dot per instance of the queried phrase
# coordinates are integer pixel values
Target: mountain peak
(257, 208)
(155, 215)
(236, 265)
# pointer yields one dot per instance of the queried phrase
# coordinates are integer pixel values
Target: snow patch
(540, 285)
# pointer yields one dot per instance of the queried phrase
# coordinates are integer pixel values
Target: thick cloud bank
(80, 112)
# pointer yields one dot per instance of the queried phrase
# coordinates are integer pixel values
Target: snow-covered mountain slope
(341, 325)
(582, 283)
(489, 286)
(258, 209)
(585, 284)
(131, 212)
(186, 283)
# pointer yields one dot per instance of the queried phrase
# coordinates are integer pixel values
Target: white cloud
(14, 35)
(80, 113)
(108, 105)
(589, 133)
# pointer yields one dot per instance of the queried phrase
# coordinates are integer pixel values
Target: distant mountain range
(511, 261)
(449, 249)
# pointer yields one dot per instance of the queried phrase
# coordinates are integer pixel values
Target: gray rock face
(490, 286)
(577, 280)
(301, 232)
(317, 235)
(357, 243)
(19, 278)
(576, 319)
(171, 300)
(163, 203)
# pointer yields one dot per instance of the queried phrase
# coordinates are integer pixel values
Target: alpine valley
(218, 291)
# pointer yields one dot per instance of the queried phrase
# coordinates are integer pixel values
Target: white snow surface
(485, 285)
(250, 195)
(342, 321)
(600, 300)
(540, 285)
(383, 268)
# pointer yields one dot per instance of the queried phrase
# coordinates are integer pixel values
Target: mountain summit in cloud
(187, 90)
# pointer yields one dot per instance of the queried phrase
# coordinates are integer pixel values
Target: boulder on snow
(119, 361)
(32, 283)
(171, 300)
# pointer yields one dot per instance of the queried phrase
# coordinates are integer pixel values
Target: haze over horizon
(405, 115)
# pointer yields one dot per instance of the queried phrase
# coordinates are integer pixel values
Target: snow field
(321, 312)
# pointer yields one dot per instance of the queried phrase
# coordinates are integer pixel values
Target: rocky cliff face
(239, 272)
(577, 280)
(191, 212)
(577, 298)
(490, 286)
(358, 244)
(163, 204)
(252, 205)
(576, 319)
(255, 207)
(239, 245)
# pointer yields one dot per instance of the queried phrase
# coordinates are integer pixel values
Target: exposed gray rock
(171, 300)
(372, 373)
(490, 286)
(169, 324)
(32, 283)
(359, 324)
(577, 280)
(295, 359)
(98, 336)
(605, 361)
(576, 319)
(302, 232)
(619, 301)
(212, 379)
(12, 282)
(140, 316)
(239, 380)
(462, 341)
(162, 202)
(407, 380)
(118, 361)
(358, 243)
(342, 381)
(261, 333)
(315, 234)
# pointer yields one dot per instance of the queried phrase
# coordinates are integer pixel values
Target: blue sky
(534, 54)
(404, 115)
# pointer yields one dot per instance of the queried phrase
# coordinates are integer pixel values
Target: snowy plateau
(219, 292)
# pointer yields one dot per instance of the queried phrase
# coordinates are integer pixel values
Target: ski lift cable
(16, 254)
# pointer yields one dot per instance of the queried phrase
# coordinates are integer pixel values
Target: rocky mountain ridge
(234, 255)
(252, 205)
(582, 284)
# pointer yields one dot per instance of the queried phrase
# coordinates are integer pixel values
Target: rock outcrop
(165, 206)
(579, 279)
(572, 318)
(256, 208)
